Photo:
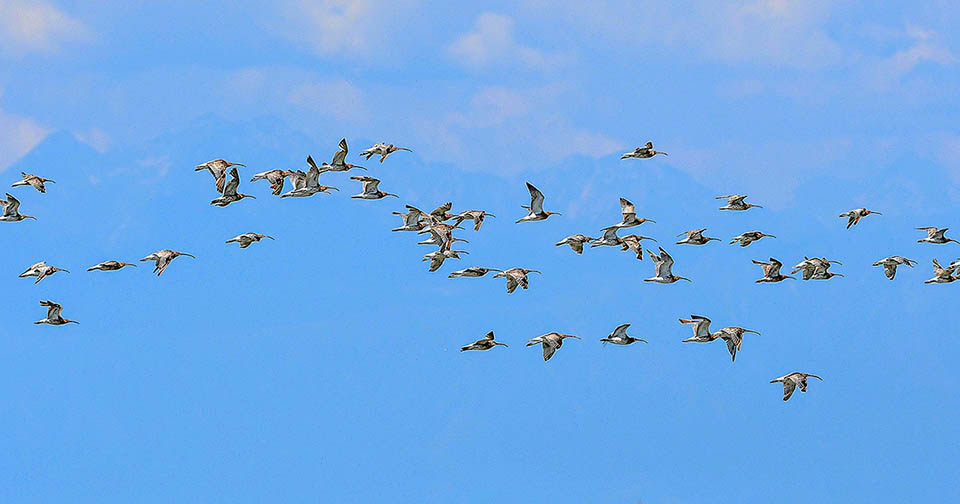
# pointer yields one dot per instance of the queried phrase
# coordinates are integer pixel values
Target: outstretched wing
(536, 199)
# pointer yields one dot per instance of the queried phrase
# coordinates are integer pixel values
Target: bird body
(854, 216)
(644, 152)
(40, 270)
(33, 180)
(230, 194)
(695, 237)
(735, 202)
(516, 277)
(476, 216)
(306, 184)
(485, 343)
(217, 168)
(472, 272)
(733, 336)
(771, 271)
(890, 265)
(371, 189)
(339, 164)
(551, 342)
(619, 336)
(11, 210)
(664, 268)
(792, 381)
(383, 150)
(536, 211)
(632, 243)
(437, 257)
(576, 242)
(943, 275)
(275, 178)
(110, 266)
(749, 237)
(701, 330)
(246, 239)
(163, 258)
(935, 235)
(815, 268)
(53, 315)
(629, 219)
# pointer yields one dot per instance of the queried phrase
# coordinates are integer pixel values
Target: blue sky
(324, 366)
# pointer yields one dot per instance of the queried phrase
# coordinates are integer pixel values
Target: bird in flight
(644, 152)
(163, 258)
(537, 213)
(792, 380)
(735, 202)
(619, 336)
(485, 343)
(551, 342)
(217, 168)
(33, 180)
(890, 265)
(381, 149)
(53, 315)
(854, 216)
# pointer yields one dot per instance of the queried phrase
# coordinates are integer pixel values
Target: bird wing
(512, 283)
(341, 155)
(890, 270)
(311, 162)
(788, 387)
(550, 347)
(665, 265)
(230, 189)
(53, 310)
(12, 206)
(626, 207)
(371, 185)
(621, 330)
(536, 199)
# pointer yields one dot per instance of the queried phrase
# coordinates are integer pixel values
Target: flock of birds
(440, 224)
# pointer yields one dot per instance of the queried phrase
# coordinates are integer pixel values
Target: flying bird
(441, 235)
(629, 213)
(516, 277)
(663, 265)
(749, 237)
(576, 242)
(792, 380)
(371, 189)
(40, 270)
(230, 194)
(854, 216)
(815, 268)
(733, 336)
(771, 271)
(644, 152)
(472, 272)
(695, 237)
(246, 239)
(935, 235)
(609, 238)
(941, 274)
(412, 220)
(339, 164)
(890, 265)
(735, 202)
(701, 330)
(476, 216)
(632, 243)
(53, 315)
(619, 336)
(437, 257)
(33, 180)
(307, 183)
(485, 343)
(536, 210)
(217, 168)
(381, 149)
(163, 258)
(275, 178)
(110, 266)
(551, 342)
(11, 210)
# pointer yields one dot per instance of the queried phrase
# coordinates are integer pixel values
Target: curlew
(472, 272)
(792, 380)
(163, 258)
(246, 239)
(619, 336)
(701, 330)
(217, 168)
(381, 149)
(771, 271)
(33, 180)
(854, 216)
(935, 235)
(110, 266)
(53, 315)
(749, 237)
(695, 237)
(371, 189)
(40, 270)
(437, 257)
(941, 274)
(516, 277)
(551, 342)
(274, 178)
(537, 213)
(890, 264)
(11, 210)
(485, 343)
(476, 216)
(339, 164)
(230, 194)
(735, 202)
(644, 152)
(629, 213)
(664, 266)
(576, 242)
(733, 336)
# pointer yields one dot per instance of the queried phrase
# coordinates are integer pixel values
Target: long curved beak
(188, 255)
(751, 331)
(390, 194)
(815, 376)
(533, 271)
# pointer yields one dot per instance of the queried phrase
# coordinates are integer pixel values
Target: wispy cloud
(37, 27)
(354, 27)
(924, 48)
(491, 42)
(18, 136)
(339, 98)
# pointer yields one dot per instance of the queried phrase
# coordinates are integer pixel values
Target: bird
(854, 216)
(441, 235)
(537, 213)
(246, 239)
(941, 274)
(275, 178)
(110, 266)
(630, 218)
(771, 271)
(815, 268)
(53, 315)
(733, 336)
(339, 164)
(701, 329)
(442, 212)
(619, 336)
(381, 149)
(735, 202)
(516, 277)
(791, 381)
(412, 219)
(163, 258)
(472, 272)
(663, 265)
(576, 242)
(935, 235)
(476, 215)
(642, 152)
(632, 243)
(551, 342)
(437, 257)
(11, 210)
(749, 237)
(307, 184)
(371, 189)
(609, 238)
(890, 264)
(485, 343)
(695, 237)
(33, 180)
(40, 270)
(230, 194)
(217, 168)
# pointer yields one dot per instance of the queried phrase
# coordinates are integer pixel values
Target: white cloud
(18, 136)
(96, 138)
(346, 26)
(37, 27)
(491, 42)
